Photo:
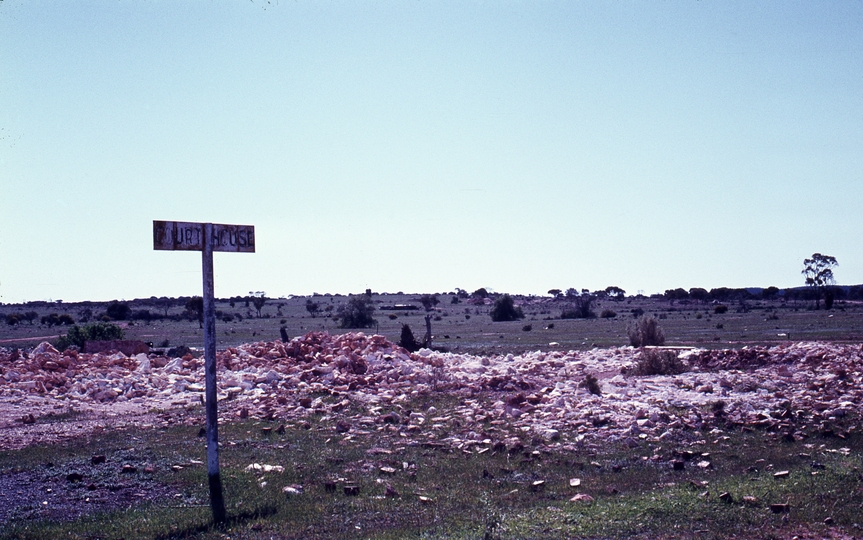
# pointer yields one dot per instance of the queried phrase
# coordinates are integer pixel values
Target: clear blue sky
(421, 146)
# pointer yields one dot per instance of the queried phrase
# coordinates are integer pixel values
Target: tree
(615, 292)
(505, 310)
(676, 294)
(119, 311)
(195, 309)
(770, 293)
(698, 294)
(480, 293)
(311, 307)
(554, 292)
(429, 301)
(582, 306)
(357, 313)
(259, 299)
(818, 271)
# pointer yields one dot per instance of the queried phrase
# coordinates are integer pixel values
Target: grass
(683, 324)
(450, 492)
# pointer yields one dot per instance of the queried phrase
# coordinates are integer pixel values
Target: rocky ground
(358, 384)
(788, 388)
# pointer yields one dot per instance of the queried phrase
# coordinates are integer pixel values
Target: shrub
(505, 310)
(118, 311)
(720, 309)
(142, 315)
(357, 313)
(659, 362)
(527, 328)
(57, 320)
(646, 331)
(608, 314)
(592, 384)
(637, 312)
(100, 331)
(407, 339)
(12, 319)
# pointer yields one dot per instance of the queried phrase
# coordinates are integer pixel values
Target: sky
(424, 146)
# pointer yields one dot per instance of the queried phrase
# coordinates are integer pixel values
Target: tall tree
(818, 271)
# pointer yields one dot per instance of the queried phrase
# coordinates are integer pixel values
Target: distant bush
(143, 315)
(527, 328)
(608, 314)
(118, 311)
(505, 310)
(720, 309)
(645, 331)
(100, 331)
(357, 313)
(57, 320)
(12, 319)
(637, 312)
(582, 308)
(659, 362)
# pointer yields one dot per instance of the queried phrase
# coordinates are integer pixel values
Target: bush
(118, 311)
(407, 339)
(100, 331)
(659, 362)
(592, 384)
(505, 310)
(646, 331)
(57, 320)
(720, 309)
(608, 314)
(527, 328)
(142, 315)
(357, 313)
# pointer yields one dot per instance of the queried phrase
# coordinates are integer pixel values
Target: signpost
(207, 238)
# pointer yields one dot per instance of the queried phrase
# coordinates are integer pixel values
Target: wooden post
(207, 238)
(217, 499)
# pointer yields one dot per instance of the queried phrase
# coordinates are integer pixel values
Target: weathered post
(207, 238)
(217, 499)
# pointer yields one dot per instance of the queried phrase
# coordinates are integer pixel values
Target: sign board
(186, 236)
(207, 238)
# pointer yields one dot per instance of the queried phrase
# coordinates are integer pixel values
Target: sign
(186, 236)
(207, 238)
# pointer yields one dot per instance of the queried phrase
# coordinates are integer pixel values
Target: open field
(500, 438)
(468, 327)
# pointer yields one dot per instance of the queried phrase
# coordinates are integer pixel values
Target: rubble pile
(359, 383)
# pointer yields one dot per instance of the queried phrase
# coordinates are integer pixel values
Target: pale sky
(421, 145)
